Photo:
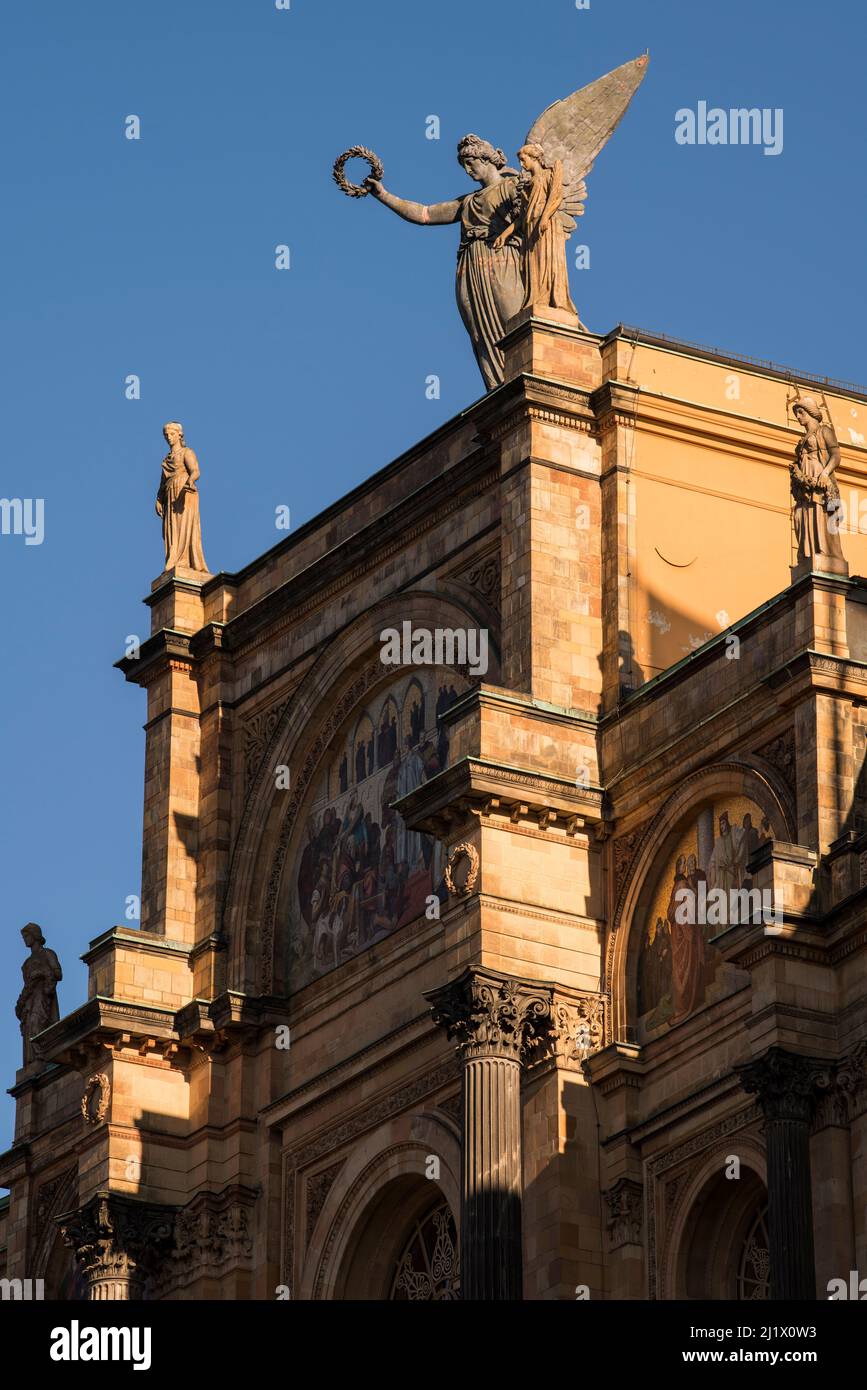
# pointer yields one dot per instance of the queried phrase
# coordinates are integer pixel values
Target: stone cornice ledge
(477, 787)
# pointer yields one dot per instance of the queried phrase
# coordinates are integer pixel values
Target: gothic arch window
(754, 1265)
(428, 1269)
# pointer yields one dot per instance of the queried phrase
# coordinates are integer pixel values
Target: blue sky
(156, 258)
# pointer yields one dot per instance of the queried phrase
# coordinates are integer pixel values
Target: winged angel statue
(514, 227)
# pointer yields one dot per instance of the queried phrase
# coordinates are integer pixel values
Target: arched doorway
(724, 1249)
(405, 1247)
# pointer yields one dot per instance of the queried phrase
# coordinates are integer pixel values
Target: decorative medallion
(97, 1094)
(462, 851)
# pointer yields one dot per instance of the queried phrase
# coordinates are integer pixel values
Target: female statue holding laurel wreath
(498, 274)
(815, 493)
(489, 287)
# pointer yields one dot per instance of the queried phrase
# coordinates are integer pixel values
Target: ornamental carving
(490, 1015)
(781, 756)
(624, 853)
(851, 1081)
(625, 1203)
(114, 1237)
(96, 1098)
(462, 851)
(318, 1188)
(258, 733)
(787, 1084)
(578, 1028)
(484, 576)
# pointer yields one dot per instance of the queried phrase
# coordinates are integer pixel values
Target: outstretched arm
(433, 214)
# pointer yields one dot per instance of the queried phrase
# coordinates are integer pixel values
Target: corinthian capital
(786, 1083)
(491, 1015)
(117, 1241)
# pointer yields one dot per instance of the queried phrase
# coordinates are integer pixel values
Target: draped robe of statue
(37, 1006)
(489, 287)
(182, 530)
(813, 534)
(544, 253)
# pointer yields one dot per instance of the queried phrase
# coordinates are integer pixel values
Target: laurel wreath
(356, 190)
(823, 487)
(462, 851)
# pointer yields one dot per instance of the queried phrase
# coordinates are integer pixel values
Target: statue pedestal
(820, 564)
(551, 343)
(176, 599)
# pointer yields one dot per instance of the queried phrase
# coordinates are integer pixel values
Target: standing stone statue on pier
(815, 493)
(178, 504)
(37, 1006)
(512, 252)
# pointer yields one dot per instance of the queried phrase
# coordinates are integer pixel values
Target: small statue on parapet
(37, 1006)
(178, 503)
(817, 508)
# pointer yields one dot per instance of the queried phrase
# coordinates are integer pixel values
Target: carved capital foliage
(787, 1084)
(159, 1248)
(578, 1028)
(490, 1015)
(625, 1206)
(115, 1237)
(849, 1093)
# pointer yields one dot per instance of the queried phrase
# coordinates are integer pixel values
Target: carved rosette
(118, 1243)
(490, 1015)
(625, 1208)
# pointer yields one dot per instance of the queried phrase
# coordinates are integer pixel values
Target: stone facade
(509, 1084)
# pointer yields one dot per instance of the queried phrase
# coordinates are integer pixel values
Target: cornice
(165, 649)
(476, 786)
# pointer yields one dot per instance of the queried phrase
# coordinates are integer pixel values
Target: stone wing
(575, 129)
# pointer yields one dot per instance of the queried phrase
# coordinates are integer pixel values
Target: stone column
(787, 1085)
(118, 1243)
(494, 1019)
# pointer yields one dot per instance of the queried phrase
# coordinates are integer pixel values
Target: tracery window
(754, 1266)
(429, 1268)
